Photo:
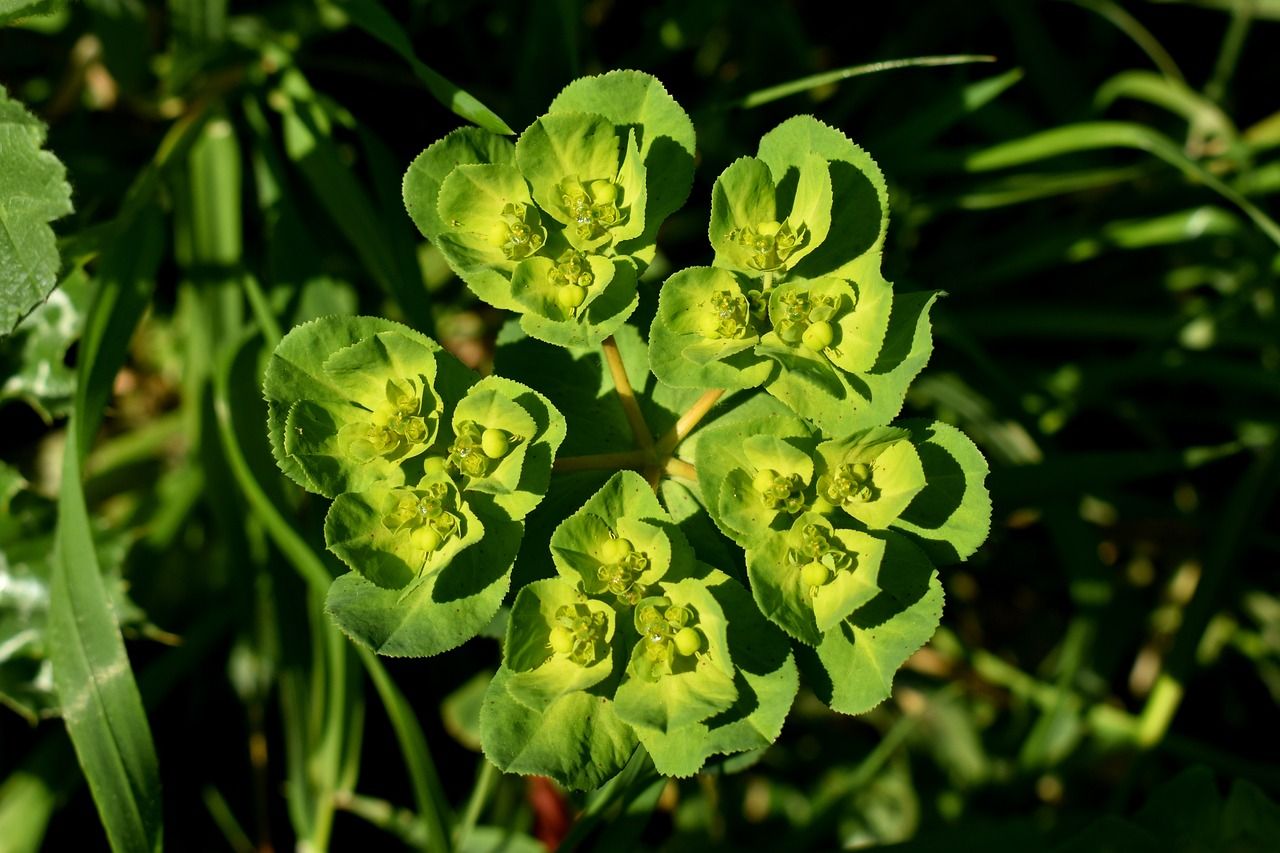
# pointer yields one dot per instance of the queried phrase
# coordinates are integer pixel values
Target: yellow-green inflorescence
(425, 514)
(476, 450)
(620, 568)
(668, 635)
(806, 319)
(729, 317)
(818, 557)
(571, 277)
(579, 634)
(397, 428)
(592, 206)
(784, 492)
(770, 243)
(848, 484)
(518, 231)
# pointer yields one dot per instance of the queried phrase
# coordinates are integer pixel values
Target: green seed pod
(861, 471)
(768, 229)
(495, 443)
(434, 465)
(818, 336)
(764, 479)
(814, 574)
(430, 539)
(561, 640)
(571, 296)
(615, 550)
(499, 234)
(688, 641)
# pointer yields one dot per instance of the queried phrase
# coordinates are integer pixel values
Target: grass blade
(101, 705)
(369, 16)
(826, 78)
(1093, 136)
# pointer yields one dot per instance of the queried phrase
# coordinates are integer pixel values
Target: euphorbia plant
(764, 533)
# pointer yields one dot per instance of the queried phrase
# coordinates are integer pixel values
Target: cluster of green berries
(426, 514)
(779, 491)
(476, 449)
(818, 557)
(395, 427)
(806, 320)
(849, 483)
(620, 569)
(668, 632)
(518, 231)
(579, 634)
(770, 243)
(571, 276)
(593, 206)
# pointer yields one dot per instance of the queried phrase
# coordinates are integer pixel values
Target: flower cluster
(558, 225)
(630, 641)
(423, 459)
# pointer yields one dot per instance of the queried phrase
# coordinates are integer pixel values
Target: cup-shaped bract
(558, 226)
(559, 641)
(811, 578)
(705, 333)
(771, 487)
(765, 223)
(679, 670)
(872, 475)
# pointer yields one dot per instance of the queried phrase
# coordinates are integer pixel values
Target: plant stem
(683, 470)
(633, 779)
(485, 783)
(688, 421)
(627, 395)
(622, 460)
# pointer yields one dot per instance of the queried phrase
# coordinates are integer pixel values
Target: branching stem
(687, 422)
(627, 396)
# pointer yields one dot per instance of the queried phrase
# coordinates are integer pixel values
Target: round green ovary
(688, 641)
(426, 516)
(764, 480)
(615, 550)
(814, 574)
(395, 428)
(571, 276)
(818, 336)
(495, 443)
(817, 556)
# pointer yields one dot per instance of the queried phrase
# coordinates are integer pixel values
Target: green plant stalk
(804, 84)
(633, 779)
(627, 397)
(483, 788)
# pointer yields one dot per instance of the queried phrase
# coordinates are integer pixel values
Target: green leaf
(625, 509)
(680, 351)
(373, 19)
(852, 669)
(33, 192)
(538, 674)
(633, 99)
(577, 740)
(743, 506)
(33, 359)
(952, 514)
(296, 373)
(765, 680)
(447, 608)
(698, 686)
(17, 10)
(860, 212)
(872, 398)
(429, 169)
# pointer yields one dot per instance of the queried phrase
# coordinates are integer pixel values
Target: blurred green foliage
(1099, 202)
